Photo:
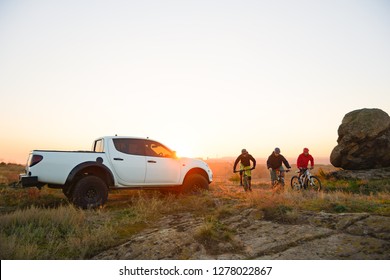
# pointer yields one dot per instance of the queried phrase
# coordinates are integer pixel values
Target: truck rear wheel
(67, 193)
(194, 183)
(89, 192)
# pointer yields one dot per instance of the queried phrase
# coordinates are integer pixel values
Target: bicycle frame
(279, 177)
(305, 177)
(245, 179)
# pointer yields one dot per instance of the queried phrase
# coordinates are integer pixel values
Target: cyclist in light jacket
(245, 160)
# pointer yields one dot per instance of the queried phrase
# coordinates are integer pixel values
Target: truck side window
(130, 146)
(98, 146)
(155, 149)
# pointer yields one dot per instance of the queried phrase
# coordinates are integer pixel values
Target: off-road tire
(295, 185)
(317, 186)
(67, 193)
(245, 183)
(194, 183)
(89, 192)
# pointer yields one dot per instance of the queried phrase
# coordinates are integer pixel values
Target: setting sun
(183, 151)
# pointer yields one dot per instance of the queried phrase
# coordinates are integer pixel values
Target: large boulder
(364, 140)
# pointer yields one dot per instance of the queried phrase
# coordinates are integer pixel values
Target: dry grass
(9, 173)
(55, 233)
(42, 225)
(329, 202)
(12, 199)
(216, 237)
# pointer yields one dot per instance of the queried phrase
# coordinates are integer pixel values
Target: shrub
(339, 208)
(213, 233)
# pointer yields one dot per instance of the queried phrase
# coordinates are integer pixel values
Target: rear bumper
(29, 181)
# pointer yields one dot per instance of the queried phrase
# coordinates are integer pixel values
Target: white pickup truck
(115, 162)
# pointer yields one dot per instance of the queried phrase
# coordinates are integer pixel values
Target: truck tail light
(35, 160)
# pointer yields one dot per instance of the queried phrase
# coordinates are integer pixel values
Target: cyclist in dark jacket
(245, 160)
(275, 162)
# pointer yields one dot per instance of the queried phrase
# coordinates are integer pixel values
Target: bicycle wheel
(295, 185)
(314, 184)
(245, 183)
(281, 181)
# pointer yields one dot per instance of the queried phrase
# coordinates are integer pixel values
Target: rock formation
(304, 235)
(364, 140)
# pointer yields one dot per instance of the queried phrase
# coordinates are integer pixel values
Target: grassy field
(9, 173)
(43, 225)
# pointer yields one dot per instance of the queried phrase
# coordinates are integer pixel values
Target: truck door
(162, 166)
(129, 161)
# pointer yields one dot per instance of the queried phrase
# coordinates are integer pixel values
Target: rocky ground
(251, 235)
(368, 174)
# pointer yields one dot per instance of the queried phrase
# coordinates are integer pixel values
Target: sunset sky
(206, 78)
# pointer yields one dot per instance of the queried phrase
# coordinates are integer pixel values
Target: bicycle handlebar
(235, 171)
(287, 170)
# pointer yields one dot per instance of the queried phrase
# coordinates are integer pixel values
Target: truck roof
(123, 136)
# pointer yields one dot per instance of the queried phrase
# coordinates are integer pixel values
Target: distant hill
(318, 160)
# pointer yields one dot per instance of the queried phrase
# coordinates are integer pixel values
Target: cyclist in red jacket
(304, 159)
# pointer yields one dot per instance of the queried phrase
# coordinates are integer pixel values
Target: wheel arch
(94, 168)
(197, 170)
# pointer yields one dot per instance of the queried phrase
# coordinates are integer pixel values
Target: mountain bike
(305, 181)
(279, 182)
(245, 179)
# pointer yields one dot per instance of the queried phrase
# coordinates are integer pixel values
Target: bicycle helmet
(305, 150)
(244, 151)
(277, 151)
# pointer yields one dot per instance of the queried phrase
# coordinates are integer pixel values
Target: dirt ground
(304, 235)
(315, 237)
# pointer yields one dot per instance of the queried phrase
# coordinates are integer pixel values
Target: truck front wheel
(89, 192)
(194, 183)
